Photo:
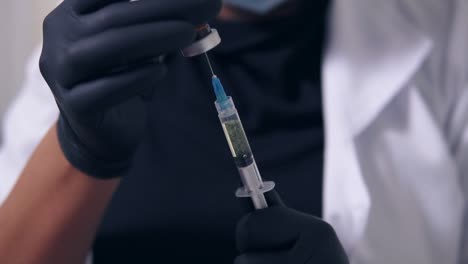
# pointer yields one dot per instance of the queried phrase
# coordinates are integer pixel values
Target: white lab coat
(396, 106)
(396, 113)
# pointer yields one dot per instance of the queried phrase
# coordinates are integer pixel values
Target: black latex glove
(99, 57)
(280, 235)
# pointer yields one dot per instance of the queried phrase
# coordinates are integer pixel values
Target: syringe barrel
(253, 185)
(234, 132)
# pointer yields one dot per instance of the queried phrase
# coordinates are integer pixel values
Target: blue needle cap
(221, 96)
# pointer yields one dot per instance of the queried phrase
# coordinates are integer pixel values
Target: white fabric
(396, 104)
(20, 30)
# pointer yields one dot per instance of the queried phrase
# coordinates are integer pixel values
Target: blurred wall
(20, 31)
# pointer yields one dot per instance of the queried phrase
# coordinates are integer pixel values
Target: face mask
(256, 6)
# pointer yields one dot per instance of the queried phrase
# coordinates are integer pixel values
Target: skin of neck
(232, 13)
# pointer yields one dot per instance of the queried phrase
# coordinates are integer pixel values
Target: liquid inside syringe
(253, 185)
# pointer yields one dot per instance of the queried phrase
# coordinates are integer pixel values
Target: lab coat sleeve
(457, 84)
(28, 118)
(460, 142)
(461, 156)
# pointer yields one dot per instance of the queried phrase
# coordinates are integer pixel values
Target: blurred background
(20, 31)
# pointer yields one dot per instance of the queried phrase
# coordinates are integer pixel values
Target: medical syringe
(253, 185)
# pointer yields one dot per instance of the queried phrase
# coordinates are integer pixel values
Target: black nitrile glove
(280, 235)
(101, 60)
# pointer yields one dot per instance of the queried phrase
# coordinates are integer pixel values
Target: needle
(209, 63)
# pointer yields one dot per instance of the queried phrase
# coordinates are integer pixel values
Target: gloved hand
(281, 235)
(100, 57)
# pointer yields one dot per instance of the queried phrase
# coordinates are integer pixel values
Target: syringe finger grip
(253, 186)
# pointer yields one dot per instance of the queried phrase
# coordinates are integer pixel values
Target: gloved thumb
(274, 199)
(268, 229)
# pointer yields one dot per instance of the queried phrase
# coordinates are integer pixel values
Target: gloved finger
(267, 229)
(113, 89)
(129, 13)
(83, 6)
(274, 199)
(262, 258)
(91, 57)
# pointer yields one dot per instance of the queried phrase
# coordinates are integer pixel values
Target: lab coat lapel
(373, 53)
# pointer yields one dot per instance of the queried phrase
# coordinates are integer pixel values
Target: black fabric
(99, 59)
(177, 204)
(279, 235)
